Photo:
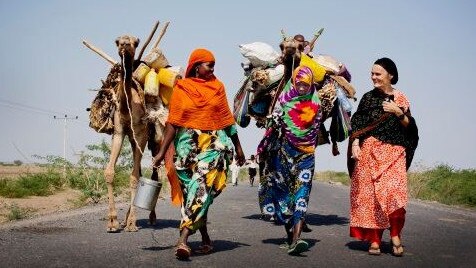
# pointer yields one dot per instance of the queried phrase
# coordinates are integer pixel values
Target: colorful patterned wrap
(287, 150)
(202, 160)
(300, 112)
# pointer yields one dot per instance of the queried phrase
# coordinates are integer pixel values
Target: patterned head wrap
(301, 112)
(303, 74)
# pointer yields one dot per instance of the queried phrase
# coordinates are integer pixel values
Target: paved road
(434, 236)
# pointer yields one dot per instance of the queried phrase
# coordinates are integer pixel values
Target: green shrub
(17, 213)
(445, 185)
(334, 176)
(41, 184)
(441, 183)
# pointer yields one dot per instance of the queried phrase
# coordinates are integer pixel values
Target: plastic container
(178, 69)
(140, 73)
(168, 77)
(165, 93)
(147, 194)
(151, 85)
(156, 59)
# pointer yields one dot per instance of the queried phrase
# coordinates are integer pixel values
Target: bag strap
(370, 127)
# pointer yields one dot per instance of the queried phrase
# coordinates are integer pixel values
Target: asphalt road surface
(434, 236)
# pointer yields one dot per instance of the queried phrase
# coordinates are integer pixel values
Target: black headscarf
(390, 67)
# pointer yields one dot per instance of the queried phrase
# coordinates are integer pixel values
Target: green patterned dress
(202, 159)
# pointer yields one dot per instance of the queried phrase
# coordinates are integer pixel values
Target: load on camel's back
(133, 102)
(267, 71)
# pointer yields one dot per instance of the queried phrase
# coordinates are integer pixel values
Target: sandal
(183, 251)
(396, 250)
(298, 247)
(204, 249)
(374, 251)
(284, 245)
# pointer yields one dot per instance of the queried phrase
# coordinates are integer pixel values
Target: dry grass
(12, 172)
(20, 208)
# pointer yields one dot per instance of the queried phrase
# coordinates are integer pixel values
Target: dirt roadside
(12, 209)
(35, 206)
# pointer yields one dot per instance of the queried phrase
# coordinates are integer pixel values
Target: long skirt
(378, 191)
(202, 159)
(286, 184)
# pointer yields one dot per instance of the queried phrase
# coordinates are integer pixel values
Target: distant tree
(17, 162)
(99, 154)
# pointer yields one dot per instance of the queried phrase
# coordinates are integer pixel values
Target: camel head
(290, 51)
(290, 56)
(126, 47)
(288, 46)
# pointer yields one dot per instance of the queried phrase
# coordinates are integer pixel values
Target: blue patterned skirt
(286, 183)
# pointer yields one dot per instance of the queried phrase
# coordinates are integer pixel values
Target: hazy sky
(46, 71)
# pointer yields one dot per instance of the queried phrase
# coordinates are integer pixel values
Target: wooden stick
(161, 34)
(283, 34)
(148, 40)
(313, 41)
(100, 53)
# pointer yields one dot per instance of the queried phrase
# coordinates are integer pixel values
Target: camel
(129, 120)
(122, 109)
(267, 95)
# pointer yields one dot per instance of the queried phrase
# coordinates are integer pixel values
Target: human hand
(335, 149)
(391, 107)
(156, 161)
(355, 152)
(240, 157)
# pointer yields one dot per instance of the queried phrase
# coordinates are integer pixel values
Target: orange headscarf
(197, 103)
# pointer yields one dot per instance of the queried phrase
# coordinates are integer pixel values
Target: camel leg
(134, 179)
(113, 223)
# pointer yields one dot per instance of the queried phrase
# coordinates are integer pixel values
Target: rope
(129, 108)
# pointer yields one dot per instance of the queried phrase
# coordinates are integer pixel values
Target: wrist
(401, 117)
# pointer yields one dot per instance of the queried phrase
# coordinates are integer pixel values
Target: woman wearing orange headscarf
(203, 130)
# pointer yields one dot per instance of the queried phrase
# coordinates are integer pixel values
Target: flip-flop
(395, 248)
(284, 245)
(374, 251)
(204, 249)
(298, 247)
(183, 252)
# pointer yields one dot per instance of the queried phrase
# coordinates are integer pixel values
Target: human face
(381, 78)
(205, 70)
(303, 88)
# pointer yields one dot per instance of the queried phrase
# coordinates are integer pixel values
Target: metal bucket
(147, 194)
